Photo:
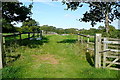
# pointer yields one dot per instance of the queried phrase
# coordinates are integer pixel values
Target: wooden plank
(111, 42)
(113, 62)
(86, 35)
(113, 50)
(114, 39)
(113, 56)
(104, 51)
(1, 66)
(16, 34)
(91, 36)
(90, 49)
(112, 46)
(91, 43)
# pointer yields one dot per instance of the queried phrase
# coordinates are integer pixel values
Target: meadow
(55, 56)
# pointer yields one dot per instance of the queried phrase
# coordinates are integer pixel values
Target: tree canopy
(99, 12)
(30, 26)
(14, 12)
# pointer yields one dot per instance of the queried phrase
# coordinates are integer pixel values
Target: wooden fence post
(37, 34)
(3, 51)
(41, 33)
(28, 35)
(87, 43)
(104, 54)
(33, 34)
(1, 66)
(97, 50)
(82, 39)
(78, 37)
(20, 36)
(14, 36)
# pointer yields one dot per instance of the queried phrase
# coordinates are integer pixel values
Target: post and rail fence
(106, 50)
(14, 35)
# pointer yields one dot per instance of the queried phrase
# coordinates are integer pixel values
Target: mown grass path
(58, 57)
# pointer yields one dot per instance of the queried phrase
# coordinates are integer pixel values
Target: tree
(30, 26)
(14, 12)
(101, 28)
(30, 22)
(60, 30)
(48, 28)
(71, 30)
(7, 27)
(99, 12)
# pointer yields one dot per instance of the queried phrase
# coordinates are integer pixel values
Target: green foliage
(7, 27)
(71, 30)
(14, 12)
(48, 28)
(58, 30)
(30, 26)
(99, 12)
(30, 22)
(113, 33)
(25, 29)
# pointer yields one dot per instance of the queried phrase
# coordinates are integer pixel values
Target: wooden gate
(106, 51)
(111, 56)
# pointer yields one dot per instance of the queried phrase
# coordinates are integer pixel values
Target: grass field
(55, 56)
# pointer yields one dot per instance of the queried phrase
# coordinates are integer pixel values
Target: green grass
(71, 59)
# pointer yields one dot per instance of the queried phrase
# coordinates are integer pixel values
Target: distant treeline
(32, 26)
(113, 33)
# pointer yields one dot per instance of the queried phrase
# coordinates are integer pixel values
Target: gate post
(1, 66)
(97, 50)
(104, 54)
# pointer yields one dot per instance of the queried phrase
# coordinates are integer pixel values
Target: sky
(53, 14)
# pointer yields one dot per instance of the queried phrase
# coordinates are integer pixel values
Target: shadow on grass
(28, 43)
(89, 59)
(11, 47)
(68, 41)
(33, 43)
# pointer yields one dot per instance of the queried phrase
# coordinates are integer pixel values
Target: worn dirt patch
(46, 58)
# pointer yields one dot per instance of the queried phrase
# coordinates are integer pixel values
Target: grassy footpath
(55, 56)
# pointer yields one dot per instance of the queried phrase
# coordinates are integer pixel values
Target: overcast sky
(53, 14)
